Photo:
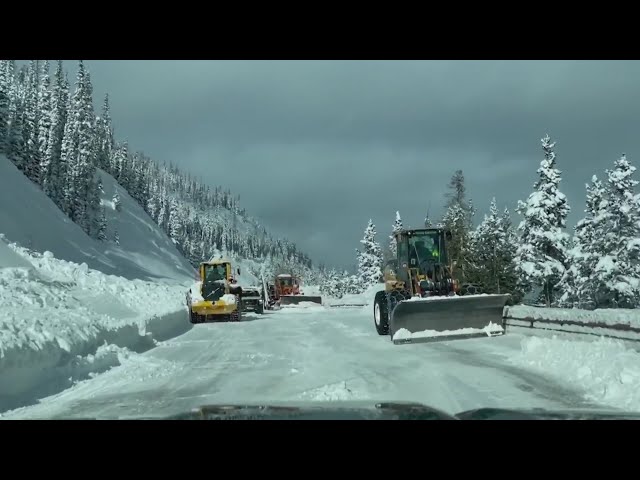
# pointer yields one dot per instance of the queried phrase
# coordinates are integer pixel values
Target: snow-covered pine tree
(427, 222)
(44, 129)
(70, 150)
(59, 106)
(483, 266)
(175, 221)
(102, 226)
(370, 259)
(493, 253)
(4, 107)
(543, 242)
(508, 252)
(617, 272)
(354, 285)
(397, 226)
(15, 144)
(10, 68)
(116, 237)
(457, 219)
(579, 284)
(81, 190)
(118, 161)
(30, 130)
(332, 286)
(105, 137)
(457, 190)
(117, 204)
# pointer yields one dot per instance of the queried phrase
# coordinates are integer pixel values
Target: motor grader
(217, 298)
(422, 301)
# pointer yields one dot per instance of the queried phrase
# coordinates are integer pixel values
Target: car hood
(384, 411)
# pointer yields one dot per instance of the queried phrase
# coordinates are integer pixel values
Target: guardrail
(552, 319)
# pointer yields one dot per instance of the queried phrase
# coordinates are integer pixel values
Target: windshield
(413, 232)
(214, 273)
(425, 247)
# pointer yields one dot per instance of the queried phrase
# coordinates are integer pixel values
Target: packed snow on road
(317, 353)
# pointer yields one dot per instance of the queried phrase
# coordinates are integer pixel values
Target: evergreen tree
(15, 148)
(370, 258)
(397, 226)
(105, 137)
(44, 130)
(457, 219)
(493, 254)
(102, 226)
(52, 158)
(30, 130)
(579, 284)
(617, 271)
(542, 253)
(116, 237)
(117, 204)
(4, 107)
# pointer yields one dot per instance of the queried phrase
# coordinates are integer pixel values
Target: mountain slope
(31, 219)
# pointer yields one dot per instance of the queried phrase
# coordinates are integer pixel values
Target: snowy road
(312, 354)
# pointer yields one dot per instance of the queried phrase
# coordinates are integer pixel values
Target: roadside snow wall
(61, 322)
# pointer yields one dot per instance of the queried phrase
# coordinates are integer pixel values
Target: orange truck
(285, 290)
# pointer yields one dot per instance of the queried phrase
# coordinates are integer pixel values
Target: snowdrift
(604, 369)
(60, 320)
(29, 218)
(364, 299)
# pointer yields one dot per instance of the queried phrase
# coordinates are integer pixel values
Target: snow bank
(611, 316)
(311, 290)
(604, 369)
(55, 313)
(447, 297)
(365, 299)
(35, 222)
(9, 258)
(489, 330)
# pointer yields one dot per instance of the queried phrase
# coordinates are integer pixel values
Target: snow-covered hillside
(31, 219)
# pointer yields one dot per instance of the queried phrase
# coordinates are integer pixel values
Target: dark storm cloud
(315, 149)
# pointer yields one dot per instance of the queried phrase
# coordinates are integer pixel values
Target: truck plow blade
(447, 318)
(297, 299)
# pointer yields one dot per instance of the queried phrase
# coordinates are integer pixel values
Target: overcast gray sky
(316, 148)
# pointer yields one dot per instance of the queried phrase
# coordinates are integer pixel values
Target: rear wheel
(381, 313)
(260, 309)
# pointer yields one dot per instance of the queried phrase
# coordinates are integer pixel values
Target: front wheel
(381, 313)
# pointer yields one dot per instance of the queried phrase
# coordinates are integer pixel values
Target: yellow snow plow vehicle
(216, 297)
(422, 301)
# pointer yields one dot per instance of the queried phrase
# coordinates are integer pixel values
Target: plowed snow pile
(605, 369)
(54, 313)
